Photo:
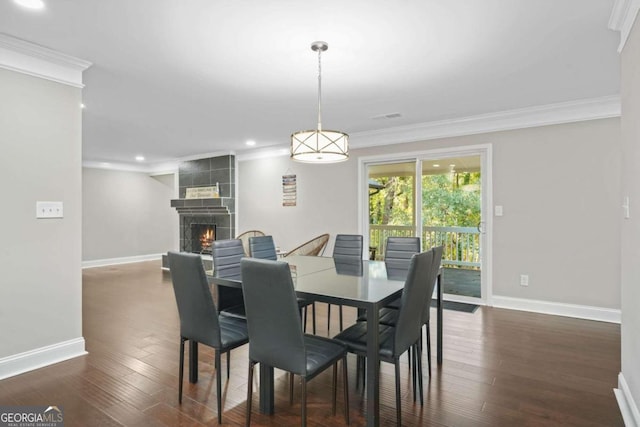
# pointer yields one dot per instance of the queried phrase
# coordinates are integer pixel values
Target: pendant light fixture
(319, 146)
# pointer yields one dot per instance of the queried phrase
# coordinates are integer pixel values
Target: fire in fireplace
(202, 237)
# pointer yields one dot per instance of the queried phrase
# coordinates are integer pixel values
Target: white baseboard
(559, 309)
(628, 408)
(123, 260)
(41, 357)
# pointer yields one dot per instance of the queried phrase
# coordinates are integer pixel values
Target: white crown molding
(542, 115)
(123, 260)
(600, 314)
(34, 60)
(41, 357)
(626, 403)
(622, 17)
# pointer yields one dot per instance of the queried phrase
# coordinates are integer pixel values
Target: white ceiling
(173, 79)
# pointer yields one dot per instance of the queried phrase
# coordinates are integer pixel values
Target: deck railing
(461, 244)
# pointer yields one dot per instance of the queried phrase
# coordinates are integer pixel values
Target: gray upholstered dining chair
(262, 247)
(226, 256)
(389, 316)
(395, 341)
(244, 238)
(347, 247)
(199, 319)
(275, 333)
(397, 256)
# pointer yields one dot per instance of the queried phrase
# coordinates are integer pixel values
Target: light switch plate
(49, 210)
(498, 210)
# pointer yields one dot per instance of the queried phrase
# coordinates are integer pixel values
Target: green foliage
(393, 205)
(447, 200)
(451, 200)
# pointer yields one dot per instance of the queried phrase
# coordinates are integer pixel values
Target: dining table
(366, 285)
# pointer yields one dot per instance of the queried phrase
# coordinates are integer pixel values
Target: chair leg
(218, 386)
(414, 371)
(181, 375)
(345, 384)
(429, 351)
(340, 318)
(334, 388)
(420, 384)
(228, 363)
(290, 388)
(304, 402)
(250, 392)
(328, 318)
(398, 408)
(313, 320)
(303, 316)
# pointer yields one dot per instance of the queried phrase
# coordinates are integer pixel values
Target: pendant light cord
(319, 89)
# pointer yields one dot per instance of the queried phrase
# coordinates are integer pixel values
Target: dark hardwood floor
(501, 368)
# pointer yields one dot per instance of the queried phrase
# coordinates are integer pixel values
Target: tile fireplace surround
(218, 211)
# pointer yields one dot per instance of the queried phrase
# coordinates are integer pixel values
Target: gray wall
(630, 91)
(127, 214)
(40, 137)
(326, 203)
(559, 186)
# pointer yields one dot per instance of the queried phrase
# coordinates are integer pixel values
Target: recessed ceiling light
(251, 143)
(31, 4)
(83, 106)
(453, 165)
(140, 158)
(435, 165)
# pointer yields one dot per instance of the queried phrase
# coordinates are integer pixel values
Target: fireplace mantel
(213, 206)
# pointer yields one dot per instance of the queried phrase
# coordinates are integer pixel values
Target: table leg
(193, 361)
(439, 328)
(373, 368)
(266, 389)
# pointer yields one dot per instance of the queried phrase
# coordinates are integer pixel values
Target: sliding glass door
(439, 197)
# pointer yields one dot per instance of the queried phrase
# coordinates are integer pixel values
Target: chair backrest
(262, 247)
(348, 246)
(314, 247)
(409, 323)
(398, 253)
(431, 281)
(226, 256)
(198, 314)
(273, 322)
(244, 237)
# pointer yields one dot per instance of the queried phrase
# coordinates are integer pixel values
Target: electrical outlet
(49, 210)
(524, 280)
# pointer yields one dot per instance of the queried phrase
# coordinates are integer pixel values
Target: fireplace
(203, 220)
(202, 237)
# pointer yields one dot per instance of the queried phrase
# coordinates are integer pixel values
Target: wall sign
(289, 191)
